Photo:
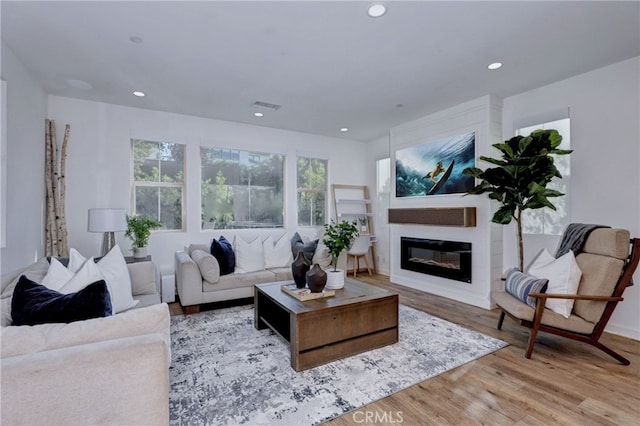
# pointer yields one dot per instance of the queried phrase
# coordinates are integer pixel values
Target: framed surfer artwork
(435, 168)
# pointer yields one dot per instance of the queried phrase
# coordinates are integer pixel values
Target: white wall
(482, 116)
(26, 113)
(99, 164)
(377, 150)
(605, 135)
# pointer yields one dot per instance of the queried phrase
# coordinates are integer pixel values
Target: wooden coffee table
(360, 317)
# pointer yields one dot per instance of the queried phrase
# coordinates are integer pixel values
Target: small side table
(131, 259)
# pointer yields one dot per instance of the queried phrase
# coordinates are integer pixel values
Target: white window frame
(147, 184)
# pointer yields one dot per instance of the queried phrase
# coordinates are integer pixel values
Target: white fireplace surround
(482, 116)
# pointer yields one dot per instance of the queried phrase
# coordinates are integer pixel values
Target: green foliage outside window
(312, 191)
(158, 173)
(241, 189)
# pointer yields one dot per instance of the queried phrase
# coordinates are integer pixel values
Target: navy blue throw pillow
(223, 252)
(308, 248)
(33, 303)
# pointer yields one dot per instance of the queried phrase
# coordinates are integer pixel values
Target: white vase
(139, 252)
(335, 279)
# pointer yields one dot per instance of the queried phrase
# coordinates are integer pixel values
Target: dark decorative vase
(299, 268)
(316, 279)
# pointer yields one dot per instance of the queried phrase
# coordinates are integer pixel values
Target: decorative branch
(56, 227)
(63, 246)
(51, 243)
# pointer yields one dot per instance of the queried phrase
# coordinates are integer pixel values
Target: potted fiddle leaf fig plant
(519, 182)
(337, 238)
(139, 230)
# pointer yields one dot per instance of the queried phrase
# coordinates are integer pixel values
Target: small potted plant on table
(337, 238)
(139, 230)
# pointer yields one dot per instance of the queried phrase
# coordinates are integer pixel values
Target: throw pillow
(564, 276)
(249, 256)
(222, 250)
(520, 285)
(321, 256)
(208, 265)
(86, 275)
(5, 309)
(33, 303)
(57, 275)
(113, 268)
(76, 260)
(278, 254)
(308, 248)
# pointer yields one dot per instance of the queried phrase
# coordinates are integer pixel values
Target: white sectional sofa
(198, 279)
(111, 370)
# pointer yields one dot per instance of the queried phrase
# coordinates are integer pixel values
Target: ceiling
(326, 63)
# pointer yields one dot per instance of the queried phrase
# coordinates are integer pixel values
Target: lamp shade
(107, 220)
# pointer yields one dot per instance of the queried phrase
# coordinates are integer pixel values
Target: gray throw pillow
(308, 248)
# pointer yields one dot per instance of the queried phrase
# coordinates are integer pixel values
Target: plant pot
(335, 279)
(299, 269)
(139, 252)
(316, 279)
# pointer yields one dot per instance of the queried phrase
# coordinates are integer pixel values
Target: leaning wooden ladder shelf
(352, 202)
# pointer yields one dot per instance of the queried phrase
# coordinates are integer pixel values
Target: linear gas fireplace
(447, 259)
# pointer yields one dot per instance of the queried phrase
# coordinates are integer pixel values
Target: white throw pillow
(57, 275)
(277, 255)
(89, 273)
(5, 307)
(563, 275)
(321, 256)
(76, 260)
(116, 274)
(249, 256)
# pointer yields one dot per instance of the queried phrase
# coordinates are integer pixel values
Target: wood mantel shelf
(438, 216)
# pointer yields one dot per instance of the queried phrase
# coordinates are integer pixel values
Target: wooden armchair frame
(593, 338)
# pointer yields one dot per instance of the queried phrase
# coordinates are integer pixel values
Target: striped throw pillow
(520, 285)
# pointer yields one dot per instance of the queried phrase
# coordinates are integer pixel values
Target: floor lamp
(108, 221)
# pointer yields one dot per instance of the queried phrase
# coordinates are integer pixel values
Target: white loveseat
(198, 278)
(112, 370)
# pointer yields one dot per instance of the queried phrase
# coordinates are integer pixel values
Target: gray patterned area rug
(225, 372)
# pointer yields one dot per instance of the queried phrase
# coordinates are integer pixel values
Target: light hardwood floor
(564, 383)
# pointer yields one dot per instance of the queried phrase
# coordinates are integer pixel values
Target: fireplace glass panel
(447, 259)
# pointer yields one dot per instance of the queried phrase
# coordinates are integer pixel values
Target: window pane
(171, 207)
(311, 208)
(312, 191)
(145, 161)
(241, 189)
(157, 161)
(312, 173)
(546, 221)
(147, 201)
(158, 172)
(171, 159)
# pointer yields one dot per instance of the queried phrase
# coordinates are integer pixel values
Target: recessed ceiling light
(376, 10)
(258, 114)
(135, 39)
(139, 94)
(80, 84)
(344, 129)
(495, 65)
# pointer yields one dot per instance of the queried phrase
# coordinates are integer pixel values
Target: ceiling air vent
(260, 104)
